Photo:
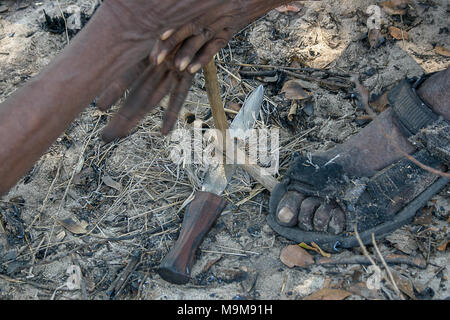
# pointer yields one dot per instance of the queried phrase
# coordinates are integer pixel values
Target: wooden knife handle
(200, 216)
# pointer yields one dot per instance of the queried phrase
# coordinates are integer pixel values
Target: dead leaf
(442, 51)
(404, 284)
(375, 38)
(402, 240)
(293, 256)
(307, 85)
(294, 90)
(315, 247)
(292, 111)
(235, 107)
(74, 226)
(361, 289)
(395, 7)
(74, 280)
(398, 34)
(328, 294)
(110, 182)
(424, 217)
(443, 246)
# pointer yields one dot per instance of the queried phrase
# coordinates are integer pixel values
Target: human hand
(148, 85)
(151, 80)
(206, 35)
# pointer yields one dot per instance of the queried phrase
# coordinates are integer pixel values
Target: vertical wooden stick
(220, 122)
(213, 90)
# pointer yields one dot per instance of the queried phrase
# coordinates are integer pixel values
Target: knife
(207, 205)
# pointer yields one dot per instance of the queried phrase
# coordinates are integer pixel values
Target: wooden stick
(390, 259)
(220, 122)
(213, 90)
(215, 100)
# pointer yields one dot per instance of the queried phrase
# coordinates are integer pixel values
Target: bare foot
(362, 155)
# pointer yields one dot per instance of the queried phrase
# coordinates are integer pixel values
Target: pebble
(3, 9)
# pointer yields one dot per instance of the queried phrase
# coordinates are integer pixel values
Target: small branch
(366, 253)
(390, 259)
(213, 90)
(385, 266)
(363, 247)
(121, 280)
(65, 21)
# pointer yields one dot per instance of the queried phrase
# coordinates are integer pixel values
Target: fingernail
(166, 35)
(161, 57)
(184, 63)
(195, 68)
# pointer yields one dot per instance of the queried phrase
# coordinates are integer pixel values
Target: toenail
(285, 215)
(288, 208)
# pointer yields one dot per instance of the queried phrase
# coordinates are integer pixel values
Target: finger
(163, 48)
(206, 54)
(166, 35)
(176, 101)
(121, 124)
(117, 88)
(193, 44)
(138, 103)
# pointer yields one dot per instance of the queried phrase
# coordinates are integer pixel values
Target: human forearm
(35, 115)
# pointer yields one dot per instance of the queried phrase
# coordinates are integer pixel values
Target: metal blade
(217, 178)
(249, 112)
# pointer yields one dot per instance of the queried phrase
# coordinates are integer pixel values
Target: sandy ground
(131, 188)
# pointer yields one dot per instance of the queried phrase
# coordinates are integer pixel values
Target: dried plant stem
(44, 203)
(388, 270)
(367, 255)
(65, 22)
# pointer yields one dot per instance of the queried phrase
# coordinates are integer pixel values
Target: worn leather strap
(411, 113)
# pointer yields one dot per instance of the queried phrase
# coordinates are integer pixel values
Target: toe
(288, 208)
(322, 217)
(306, 214)
(337, 221)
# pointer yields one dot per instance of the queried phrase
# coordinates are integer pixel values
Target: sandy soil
(131, 189)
